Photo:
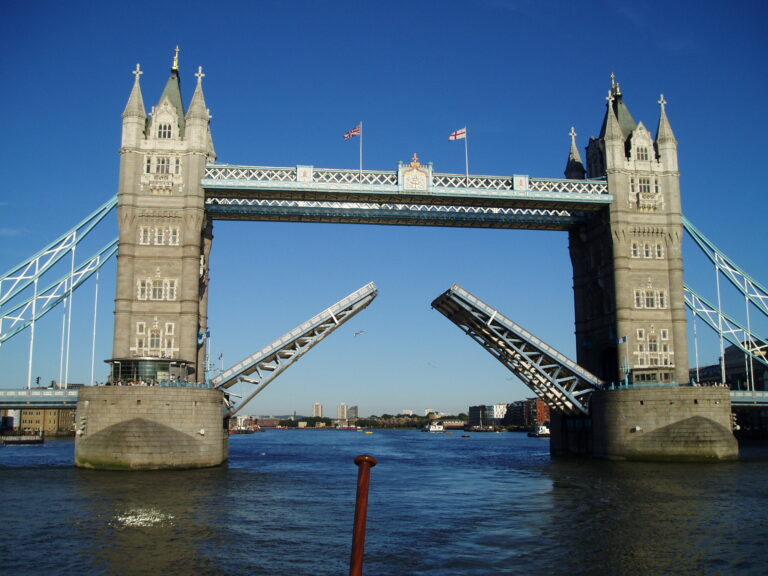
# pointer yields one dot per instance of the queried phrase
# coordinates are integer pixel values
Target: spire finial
(176, 59)
(610, 96)
(199, 74)
(572, 133)
(415, 162)
(613, 80)
(662, 102)
(137, 72)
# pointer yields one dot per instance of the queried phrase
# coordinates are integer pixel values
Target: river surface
(440, 504)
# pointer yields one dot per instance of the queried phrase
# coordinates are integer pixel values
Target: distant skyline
(286, 80)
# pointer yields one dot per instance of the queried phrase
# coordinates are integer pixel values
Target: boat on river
(434, 427)
(540, 431)
(17, 439)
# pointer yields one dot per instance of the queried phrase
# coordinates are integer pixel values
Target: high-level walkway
(413, 194)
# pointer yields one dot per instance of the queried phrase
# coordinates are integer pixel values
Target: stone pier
(676, 423)
(150, 428)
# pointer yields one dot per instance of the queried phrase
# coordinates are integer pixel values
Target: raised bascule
(626, 396)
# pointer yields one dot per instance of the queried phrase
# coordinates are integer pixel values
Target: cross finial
(613, 79)
(662, 101)
(176, 59)
(415, 162)
(572, 133)
(610, 96)
(137, 72)
(199, 74)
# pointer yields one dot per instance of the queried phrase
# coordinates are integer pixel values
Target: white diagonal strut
(754, 345)
(266, 364)
(23, 275)
(560, 382)
(19, 316)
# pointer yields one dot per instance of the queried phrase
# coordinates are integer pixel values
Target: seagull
(359, 332)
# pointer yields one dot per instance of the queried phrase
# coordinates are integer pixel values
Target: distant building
(428, 411)
(490, 415)
(407, 412)
(352, 412)
(317, 410)
(49, 421)
(527, 413)
(342, 411)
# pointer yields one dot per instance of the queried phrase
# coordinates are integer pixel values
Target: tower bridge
(621, 209)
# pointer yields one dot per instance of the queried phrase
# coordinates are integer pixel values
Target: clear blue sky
(284, 80)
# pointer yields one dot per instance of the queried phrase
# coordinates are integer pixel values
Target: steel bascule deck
(269, 362)
(560, 382)
(308, 194)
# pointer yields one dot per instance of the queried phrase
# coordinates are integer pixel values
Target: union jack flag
(356, 131)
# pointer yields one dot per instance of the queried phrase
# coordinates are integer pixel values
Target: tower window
(641, 334)
(650, 300)
(642, 153)
(647, 251)
(173, 236)
(635, 250)
(144, 235)
(638, 298)
(148, 165)
(645, 185)
(141, 327)
(154, 339)
(178, 165)
(157, 290)
(662, 299)
(170, 289)
(664, 334)
(159, 236)
(143, 289)
(659, 250)
(169, 326)
(163, 165)
(164, 131)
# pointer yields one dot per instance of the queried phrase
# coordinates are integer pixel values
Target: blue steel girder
(561, 383)
(262, 367)
(23, 275)
(305, 193)
(38, 398)
(743, 282)
(748, 342)
(18, 317)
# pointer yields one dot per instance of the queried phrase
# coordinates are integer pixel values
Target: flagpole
(361, 151)
(466, 153)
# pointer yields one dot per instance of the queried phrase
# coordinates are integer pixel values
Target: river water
(440, 504)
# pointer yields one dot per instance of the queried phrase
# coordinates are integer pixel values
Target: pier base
(150, 428)
(659, 424)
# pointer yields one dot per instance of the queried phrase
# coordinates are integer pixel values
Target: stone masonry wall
(671, 423)
(147, 428)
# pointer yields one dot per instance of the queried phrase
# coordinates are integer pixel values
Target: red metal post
(364, 463)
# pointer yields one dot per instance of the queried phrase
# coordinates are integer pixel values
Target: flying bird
(359, 332)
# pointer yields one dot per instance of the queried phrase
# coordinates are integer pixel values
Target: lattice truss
(17, 311)
(727, 327)
(272, 360)
(389, 178)
(384, 208)
(560, 382)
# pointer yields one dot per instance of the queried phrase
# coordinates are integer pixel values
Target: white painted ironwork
(370, 177)
(743, 282)
(231, 174)
(559, 381)
(266, 364)
(752, 344)
(17, 279)
(18, 317)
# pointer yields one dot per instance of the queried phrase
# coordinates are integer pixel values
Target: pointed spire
(135, 105)
(197, 108)
(620, 110)
(611, 128)
(664, 131)
(172, 92)
(574, 168)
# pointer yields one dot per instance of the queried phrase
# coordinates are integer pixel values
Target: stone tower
(627, 259)
(165, 236)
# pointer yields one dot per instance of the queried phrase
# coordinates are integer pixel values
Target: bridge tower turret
(165, 236)
(627, 259)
